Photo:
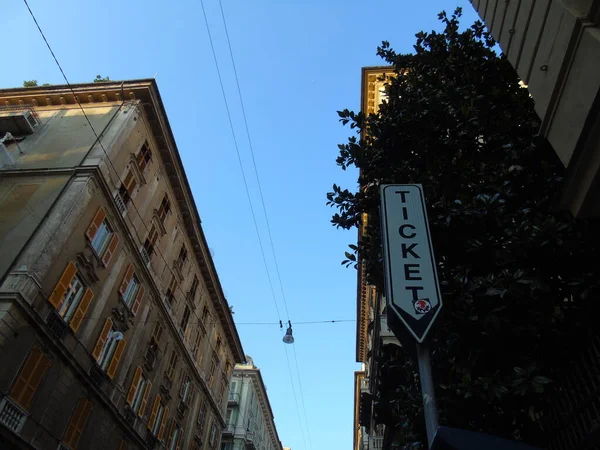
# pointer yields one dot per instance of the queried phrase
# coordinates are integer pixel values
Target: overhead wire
(248, 191)
(166, 266)
(108, 159)
(264, 208)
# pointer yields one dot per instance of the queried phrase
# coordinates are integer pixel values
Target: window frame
(172, 365)
(127, 187)
(109, 348)
(164, 208)
(185, 319)
(69, 305)
(151, 240)
(75, 308)
(143, 157)
(170, 293)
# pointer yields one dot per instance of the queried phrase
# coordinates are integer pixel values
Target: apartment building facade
(250, 421)
(114, 329)
(372, 332)
(554, 45)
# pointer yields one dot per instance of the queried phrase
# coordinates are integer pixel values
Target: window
(170, 294)
(157, 333)
(131, 290)
(222, 391)
(109, 348)
(150, 241)
(127, 187)
(213, 435)
(193, 288)
(70, 299)
(29, 377)
(182, 257)
(185, 319)
(158, 418)
(143, 157)
(164, 208)
(187, 390)
(228, 369)
(197, 342)
(205, 315)
(139, 391)
(202, 416)
(77, 423)
(102, 238)
(219, 343)
(175, 436)
(211, 373)
(172, 365)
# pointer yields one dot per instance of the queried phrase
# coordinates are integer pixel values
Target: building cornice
(369, 78)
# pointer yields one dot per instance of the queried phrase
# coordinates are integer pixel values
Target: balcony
(120, 204)
(376, 443)
(233, 399)
(11, 415)
(385, 333)
(250, 440)
(145, 256)
(230, 429)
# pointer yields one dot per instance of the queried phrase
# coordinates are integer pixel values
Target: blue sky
(298, 63)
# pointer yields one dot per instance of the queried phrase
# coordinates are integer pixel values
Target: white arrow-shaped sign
(412, 287)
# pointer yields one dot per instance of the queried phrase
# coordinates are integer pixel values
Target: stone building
(114, 329)
(250, 421)
(554, 45)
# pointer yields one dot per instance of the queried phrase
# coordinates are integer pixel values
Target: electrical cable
(98, 139)
(248, 192)
(251, 147)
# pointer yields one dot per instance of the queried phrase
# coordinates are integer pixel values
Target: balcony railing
(234, 398)
(120, 203)
(145, 256)
(11, 415)
(376, 443)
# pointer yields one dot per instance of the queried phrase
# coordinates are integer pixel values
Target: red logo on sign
(422, 306)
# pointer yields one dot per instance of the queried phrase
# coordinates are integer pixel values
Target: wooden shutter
(29, 377)
(153, 414)
(163, 424)
(77, 423)
(134, 385)
(58, 295)
(126, 279)
(191, 394)
(75, 323)
(173, 423)
(114, 362)
(102, 339)
(108, 254)
(138, 300)
(179, 439)
(158, 329)
(93, 228)
(145, 399)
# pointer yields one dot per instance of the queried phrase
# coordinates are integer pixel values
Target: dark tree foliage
(30, 83)
(518, 277)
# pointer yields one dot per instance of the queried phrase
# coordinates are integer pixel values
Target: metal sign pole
(427, 390)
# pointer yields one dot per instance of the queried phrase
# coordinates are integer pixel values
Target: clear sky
(298, 62)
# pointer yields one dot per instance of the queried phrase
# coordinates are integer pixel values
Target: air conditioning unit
(18, 122)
